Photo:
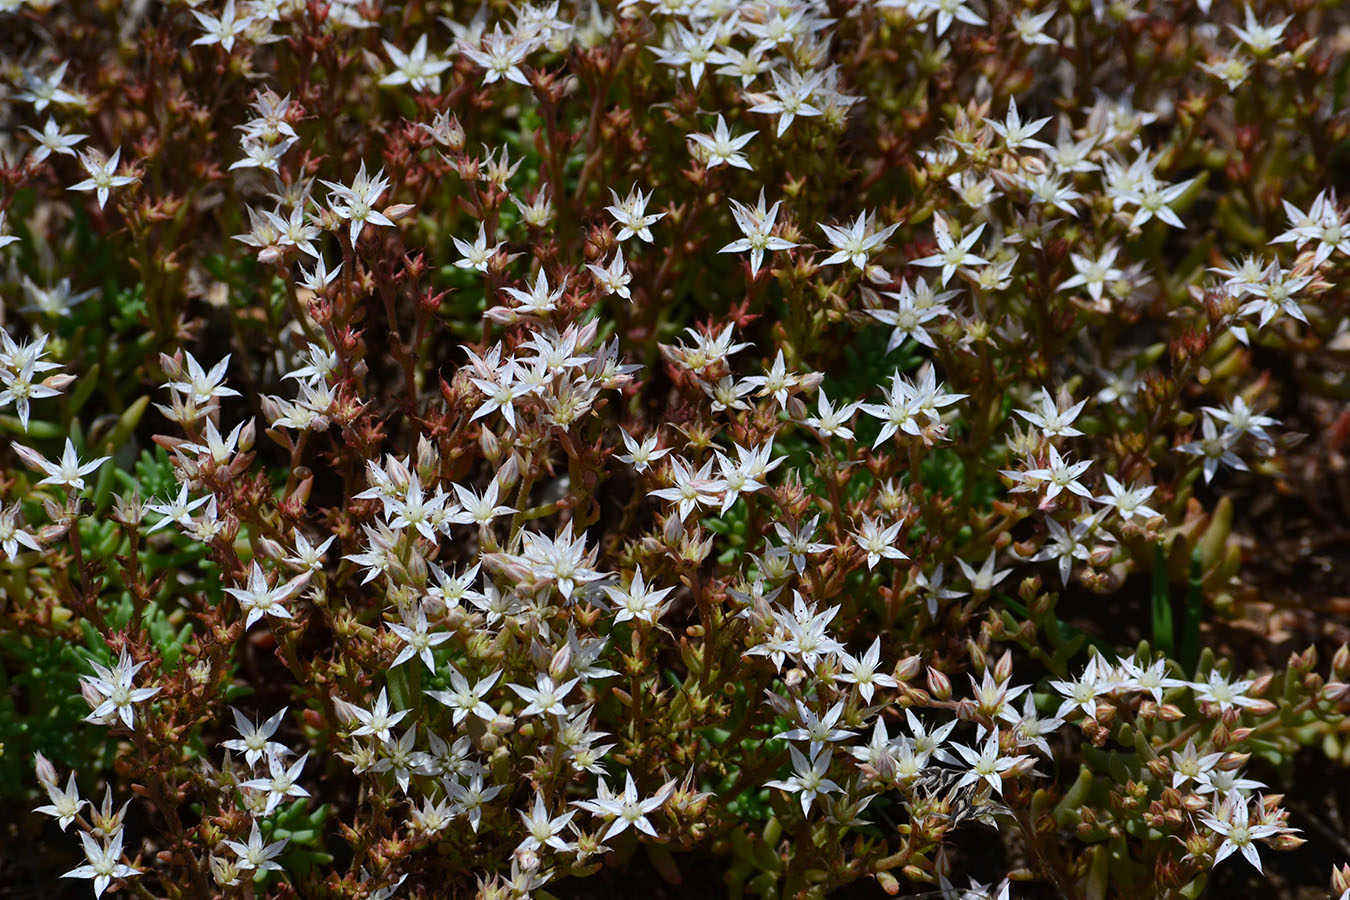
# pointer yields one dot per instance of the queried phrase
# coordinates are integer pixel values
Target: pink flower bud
(561, 663)
(939, 685)
(46, 772)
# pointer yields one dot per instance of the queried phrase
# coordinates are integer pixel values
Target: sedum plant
(812, 448)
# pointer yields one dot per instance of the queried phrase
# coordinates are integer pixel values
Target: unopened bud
(344, 711)
(885, 768)
(304, 484)
(491, 447)
(501, 315)
(1286, 842)
(908, 668)
(1170, 712)
(398, 211)
(1340, 875)
(1220, 736)
(271, 409)
(1004, 667)
(509, 473)
(1340, 663)
(672, 531)
(172, 366)
(398, 475)
(46, 772)
(417, 568)
(1101, 556)
(976, 654)
(428, 459)
(30, 457)
(508, 567)
(247, 435)
(53, 534)
(1197, 844)
(91, 695)
(939, 685)
(561, 663)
